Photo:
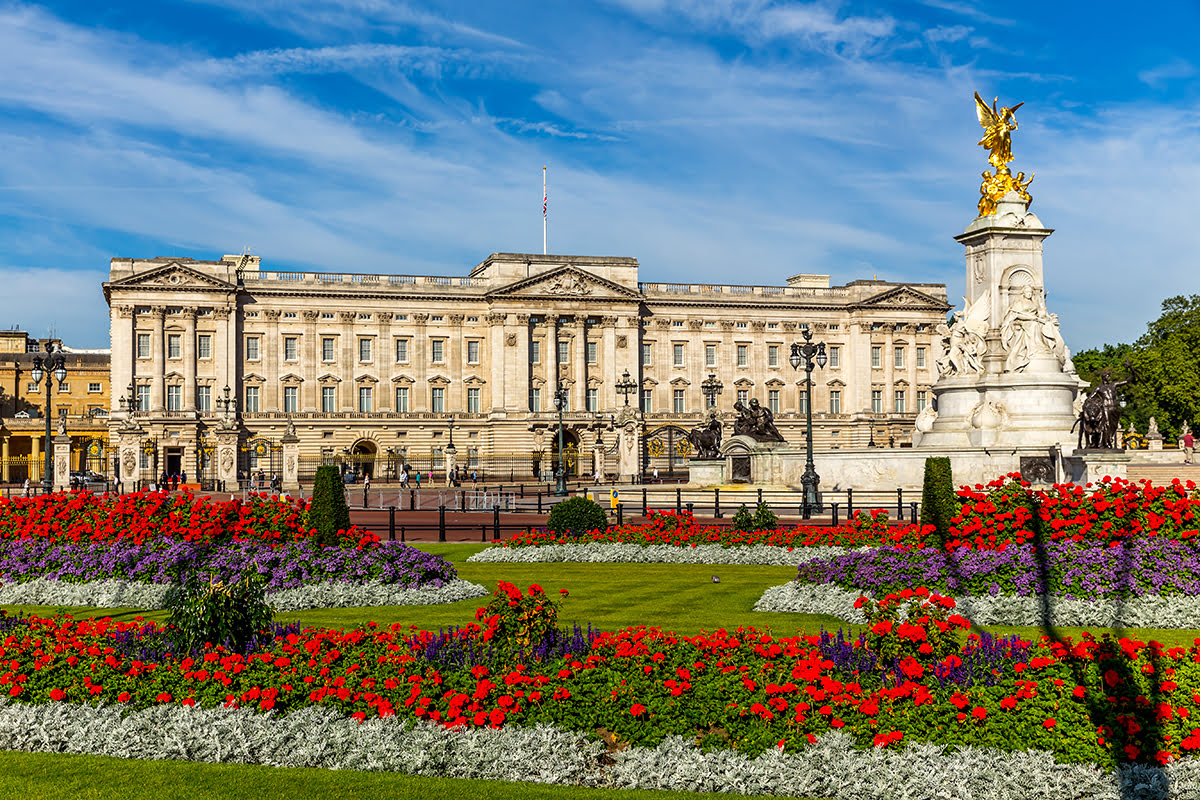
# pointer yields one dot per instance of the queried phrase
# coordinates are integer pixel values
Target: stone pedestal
(451, 461)
(226, 455)
(129, 450)
(707, 472)
(629, 445)
(1006, 377)
(62, 462)
(1084, 466)
(291, 461)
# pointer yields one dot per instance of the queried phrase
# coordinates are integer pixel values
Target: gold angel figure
(997, 126)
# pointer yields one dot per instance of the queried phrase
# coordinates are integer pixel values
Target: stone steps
(1163, 474)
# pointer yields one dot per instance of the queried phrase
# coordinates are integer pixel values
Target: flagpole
(544, 198)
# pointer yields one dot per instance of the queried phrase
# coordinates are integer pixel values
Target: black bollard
(620, 515)
(849, 504)
(900, 504)
(391, 523)
(834, 521)
(495, 523)
(441, 523)
(678, 501)
(716, 503)
(645, 510)
(760, 497)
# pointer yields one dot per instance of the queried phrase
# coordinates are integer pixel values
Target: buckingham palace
(376, 372)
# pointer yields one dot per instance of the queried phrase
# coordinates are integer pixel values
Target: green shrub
(742, 520)
(576, 516)
(329, 512)
(939, 503)
(764, 518)
(204, 612)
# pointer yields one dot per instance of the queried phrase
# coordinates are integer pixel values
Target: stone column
(696, 372)
(291, 461)
(310, 390)
(4, 472)
(35, 455)
(123, 356)
(456, 392)
(189, 359)
(62, 462)
(158, 347)
(551, 357)
(497, 357)
(581, 369)
(518, 359)
(349, 360)
(385, 363)
(226, 455)
(225, 351)
(609, 368)
(271, 346)
(419, 399)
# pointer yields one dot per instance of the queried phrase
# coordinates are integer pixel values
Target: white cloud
(1174, 69)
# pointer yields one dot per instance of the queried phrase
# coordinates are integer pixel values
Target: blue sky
(733, 141)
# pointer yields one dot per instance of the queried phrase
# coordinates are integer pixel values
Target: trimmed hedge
(329, 512)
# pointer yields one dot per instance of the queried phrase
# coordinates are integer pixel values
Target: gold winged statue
(998, 126)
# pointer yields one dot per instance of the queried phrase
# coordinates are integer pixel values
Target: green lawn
(77, 777)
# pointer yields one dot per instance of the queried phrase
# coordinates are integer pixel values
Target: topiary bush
(329, 512)
(232, 615)
(939, 502)
(576, 516)
(764, 518)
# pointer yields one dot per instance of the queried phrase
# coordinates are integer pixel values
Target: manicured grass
(48, 776)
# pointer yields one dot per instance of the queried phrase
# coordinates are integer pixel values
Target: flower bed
(1088, 702)
(604, 552)
(83, 516)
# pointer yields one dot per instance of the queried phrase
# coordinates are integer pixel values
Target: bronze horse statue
(706, 439)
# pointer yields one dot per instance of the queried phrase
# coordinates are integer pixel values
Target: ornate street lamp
(128, 402)
(625, 386)
(806, 354)
(711, 387)
(53, 365)
(560, 402)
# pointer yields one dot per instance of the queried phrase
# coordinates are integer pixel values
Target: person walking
(417, 476)
(26, 490)
(1189, 444)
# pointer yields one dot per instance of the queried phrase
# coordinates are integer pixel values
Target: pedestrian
(431, 477)
(417, 475)
(1189, 444)
(475, 477)
(162, 481)
(183, 477)
(655, 474)
(27, 487)
(403, 478)
(367, 483)
(175, 482)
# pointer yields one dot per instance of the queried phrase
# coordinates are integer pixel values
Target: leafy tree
(576, 516)
(1165, 362)
(764, 518)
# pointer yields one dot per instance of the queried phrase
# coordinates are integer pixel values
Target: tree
(1166, 368)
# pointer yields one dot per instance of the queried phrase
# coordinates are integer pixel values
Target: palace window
(437, 351)
(174, 345)
(899, 401)
(710, 355)
(899, 358)
(364, 349)
(402, 351)
(174, 398)
(773, 400)
(876, 357)
(328, 399)
(402, 399)
(920, 358)
(143, 345)
(743, 355)
(876, 401)
(291, 399)
(743, 396)
(647, 401)
(473, 351)
(143, 397)
(535, 352)
(922, 400)
(591, 353)
(364, 399)
(773, 355)
(535, 399)
(647, 351)
(473, 400)
(678, 351)
(564, 351)
(204, 398)
(327, 348)
(291, 348)
(204, 346)
(835, 401)
(593, 399)
(835, 356)
(250, 401)
(252, 348)
(437, 399)
(679, 401)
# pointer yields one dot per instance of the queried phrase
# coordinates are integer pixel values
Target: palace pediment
(903, 297)
(565, 282)
(173, 276)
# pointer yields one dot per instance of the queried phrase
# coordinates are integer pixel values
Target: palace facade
(376, 371)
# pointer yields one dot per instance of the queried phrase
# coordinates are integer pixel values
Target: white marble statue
(962, 342)
(1021, 332)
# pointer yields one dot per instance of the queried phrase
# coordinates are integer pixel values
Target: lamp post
(625, 386)
(53, 365)
(808, 353)
(711, 387)
(560, 485)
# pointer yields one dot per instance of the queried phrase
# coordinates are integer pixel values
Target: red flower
(637, 709)
(1049, 723)
(496, 717)
(57, 694)
(979, 712)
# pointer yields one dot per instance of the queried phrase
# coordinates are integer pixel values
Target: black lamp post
(711, 387)
(560, 485)
(52, 366)
(625, 386)
(808, 353)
